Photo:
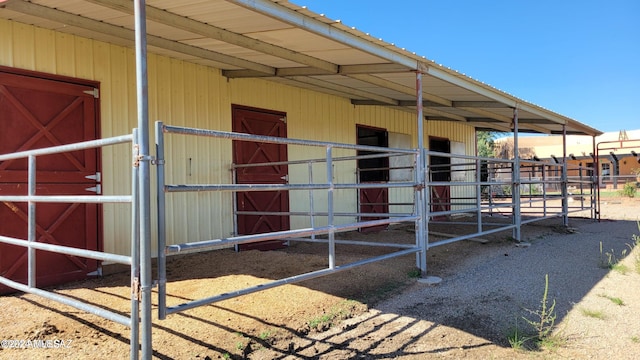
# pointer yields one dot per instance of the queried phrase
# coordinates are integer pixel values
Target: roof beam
(480, 104)
(400, 103)
(312, 71)
(536, 121)
(217, 33)
(399, 88)
(373, 69)
(123, 33)
(344, 89)
(524, 125)
(406, 103)
(489, 114)
(493, 126)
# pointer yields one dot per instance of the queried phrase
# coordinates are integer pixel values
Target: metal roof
(280, 41)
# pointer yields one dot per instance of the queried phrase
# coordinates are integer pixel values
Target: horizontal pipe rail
(71, 147)
(281, 187)
(207, 244)
(109, 315)
(471, 236)
(276, 140)
(321, 213)
(85, 199)
(322, 160)
(355, 242)
(90, 254)
(288, 280)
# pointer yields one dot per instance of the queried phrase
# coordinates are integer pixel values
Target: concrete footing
(430, 280)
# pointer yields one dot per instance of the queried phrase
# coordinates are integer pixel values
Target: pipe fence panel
(32, 244)
(325, 196)
(480, 188)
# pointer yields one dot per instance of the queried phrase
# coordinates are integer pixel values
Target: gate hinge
(138, 158)
(95, 93)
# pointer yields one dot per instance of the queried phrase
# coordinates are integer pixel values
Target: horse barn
(239, 123)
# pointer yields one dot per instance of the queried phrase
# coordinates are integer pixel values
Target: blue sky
(578, 58)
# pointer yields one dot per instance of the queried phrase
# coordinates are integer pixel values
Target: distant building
(618, 154)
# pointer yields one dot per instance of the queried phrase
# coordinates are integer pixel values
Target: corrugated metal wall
(186, 94)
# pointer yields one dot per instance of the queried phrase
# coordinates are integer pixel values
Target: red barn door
(261, 122)
(39, 111)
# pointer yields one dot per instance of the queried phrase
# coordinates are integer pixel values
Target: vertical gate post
(515, 180)
(479, 192)
(134, 343)
(332, 233)
(564, 182)
(162, 230)
(595, 188)
(31, 226)
(422, 222)
(142, 91)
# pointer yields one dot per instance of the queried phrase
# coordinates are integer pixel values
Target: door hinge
(285, 178)
(95, 177)
(95, 93)
(283, 119)
(96, 189)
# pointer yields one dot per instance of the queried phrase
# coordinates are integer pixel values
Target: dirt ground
(376, 311)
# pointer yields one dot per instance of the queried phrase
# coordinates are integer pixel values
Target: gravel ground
(486, 296)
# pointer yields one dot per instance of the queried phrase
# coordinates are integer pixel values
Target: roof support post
(422, 224)
(515, 180)
(142, 90)
(564, 183)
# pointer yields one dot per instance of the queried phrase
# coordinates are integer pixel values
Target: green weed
(517, 339)
(609, 260)
(614, 300)
(596, 314)
(344, 310)
(543, 319)
(264, 335)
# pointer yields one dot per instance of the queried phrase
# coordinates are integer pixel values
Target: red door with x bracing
(38, 111)
(261, 206)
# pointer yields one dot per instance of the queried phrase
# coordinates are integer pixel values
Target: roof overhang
(283, 42)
